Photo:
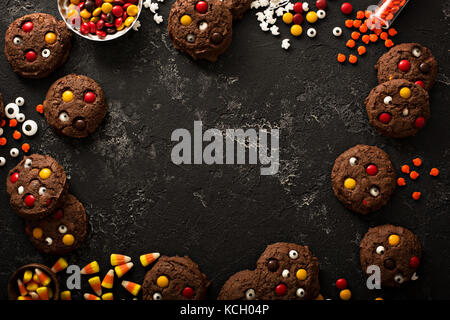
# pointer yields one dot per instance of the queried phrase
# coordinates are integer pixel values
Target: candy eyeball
(17, 40)
(353, 161)
(311, 32)
(416, 52)
(190, 38)
(380, 250)
(42, 190)
(46, 53)
(321, 14)
(20, 101)
(2, 161)
(63, 116)
(337, 32)
(157, 296)
(405, 112)
(20, 117)
(293, 254)
(203, 26)
(250, 294)
(285, 273)
(300, 292)
(374, 191)
(28, 163)
(1, 132)
(11, 110)
(399, 278)
(305, 6)
(62, 229)
(29, 128)
(14, 152)
(387, 100)
(49, 241)
(20, 190)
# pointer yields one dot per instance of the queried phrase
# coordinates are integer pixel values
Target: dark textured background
(224, 216)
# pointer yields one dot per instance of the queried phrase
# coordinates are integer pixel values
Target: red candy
(188, 292)
(385, 117)
(371, 170)
(28, 26)
(98, 3)
(420, 122)
(117, 11)
(29, 200)
(404, 65)
(414, 262)
(298, 18)
(281, 289)
(321, 4)
(346, 8)
(420, 83)
(341, 284)
(92, 27)
(201, 7)
(298, 8)
(31, 56)
(89, 97)
(14, 177)
(84, 28)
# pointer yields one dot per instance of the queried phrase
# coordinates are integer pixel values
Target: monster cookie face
(202, 29)
(398, 108)
(62, 231)
(237, 7)
(241, 286)
(75, 106)
(396, 250)
(37, 186)
(37, 44)
(288, 271)
(363, 178)
(175, 278)
(409, 61)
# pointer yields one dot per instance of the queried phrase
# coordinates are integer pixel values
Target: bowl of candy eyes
(100, 20)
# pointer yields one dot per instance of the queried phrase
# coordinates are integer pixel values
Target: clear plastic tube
(384, 14)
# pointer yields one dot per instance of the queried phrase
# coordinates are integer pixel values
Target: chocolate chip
(216, 38)
(272, 265)
(424, 67)
(389, 264)
(80, 124)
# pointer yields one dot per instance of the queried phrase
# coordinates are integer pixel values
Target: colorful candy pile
(35, 285)
(101, 17)
(311, 17)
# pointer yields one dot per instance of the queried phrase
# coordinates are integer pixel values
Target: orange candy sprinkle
(341, 58)
(434, 172)
(414, 175)
(384, 36)
(352, 59)
(13, 123)
(355, 35)
(416, 195)
(366, 39)
(363, 29)
(377, 31)
(392, 32)
(40, 108)
(361, 50)
(417, 162)
(360, 15)
(373, 37)
(17, 135)
(388, 43)
(2, 123)
(401, 182)
(405, 168)
(357, 23)
(351, 43)
(3, 141)
(349, 23)
(26, 147)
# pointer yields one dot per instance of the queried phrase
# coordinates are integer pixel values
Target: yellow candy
(68, 239)
(132, 10)
(405, 93)
(129, 21)
(67, 96)
(97, 12)
(121, 27)
(50, 38)
(94, 19)
(108, 296)
(311, 17)
(350, 183)
(288, 17)
(296, 30)
(32, 286)
(37, 233)
(394, 239)
(162, 281)
(27, 276)
(106, 7)
(109, 1)
(345, 294)
(85, 14)
(65, 295)
(301, 274)
(186, 20)
(45, 173)
(72, 13)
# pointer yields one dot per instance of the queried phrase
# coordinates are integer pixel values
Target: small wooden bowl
(13, 290)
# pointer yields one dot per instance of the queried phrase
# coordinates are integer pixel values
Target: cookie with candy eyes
(202, 29)
(398, 108)
(288, 271)
(37, 186)
(241, 286)
(409, 61)
(395, 250)
(61, 232)
(37, 44)
(363, 178)
(175, 278)
(237, 7)
(75, 106)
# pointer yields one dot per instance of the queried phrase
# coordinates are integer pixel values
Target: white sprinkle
(264, 26)
(158, 18)
(137, 25)
(274, 30)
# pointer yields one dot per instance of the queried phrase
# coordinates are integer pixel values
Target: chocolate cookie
(363, 178)
(285, 271)
(175, 278)
(396, 250)
(75, 106)
(37, 44)
(37, 186)
(410, 61)
(398, 108)
(61, 232)
(237, 7)
(202, 29)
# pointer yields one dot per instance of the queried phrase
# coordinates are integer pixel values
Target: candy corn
(42, 292)
(35, 278)
(108, 296)
(131, 287)
(108, 280)
(148, 258)
(96, 285)
(34, 295)
(23, 291)
(44, 279)
(59, 265)
(32, 286)
(118, 259)
(91, 268)
(122, 269)
(66, 295)
(88, 296)
(27, 276)
(24, 298)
